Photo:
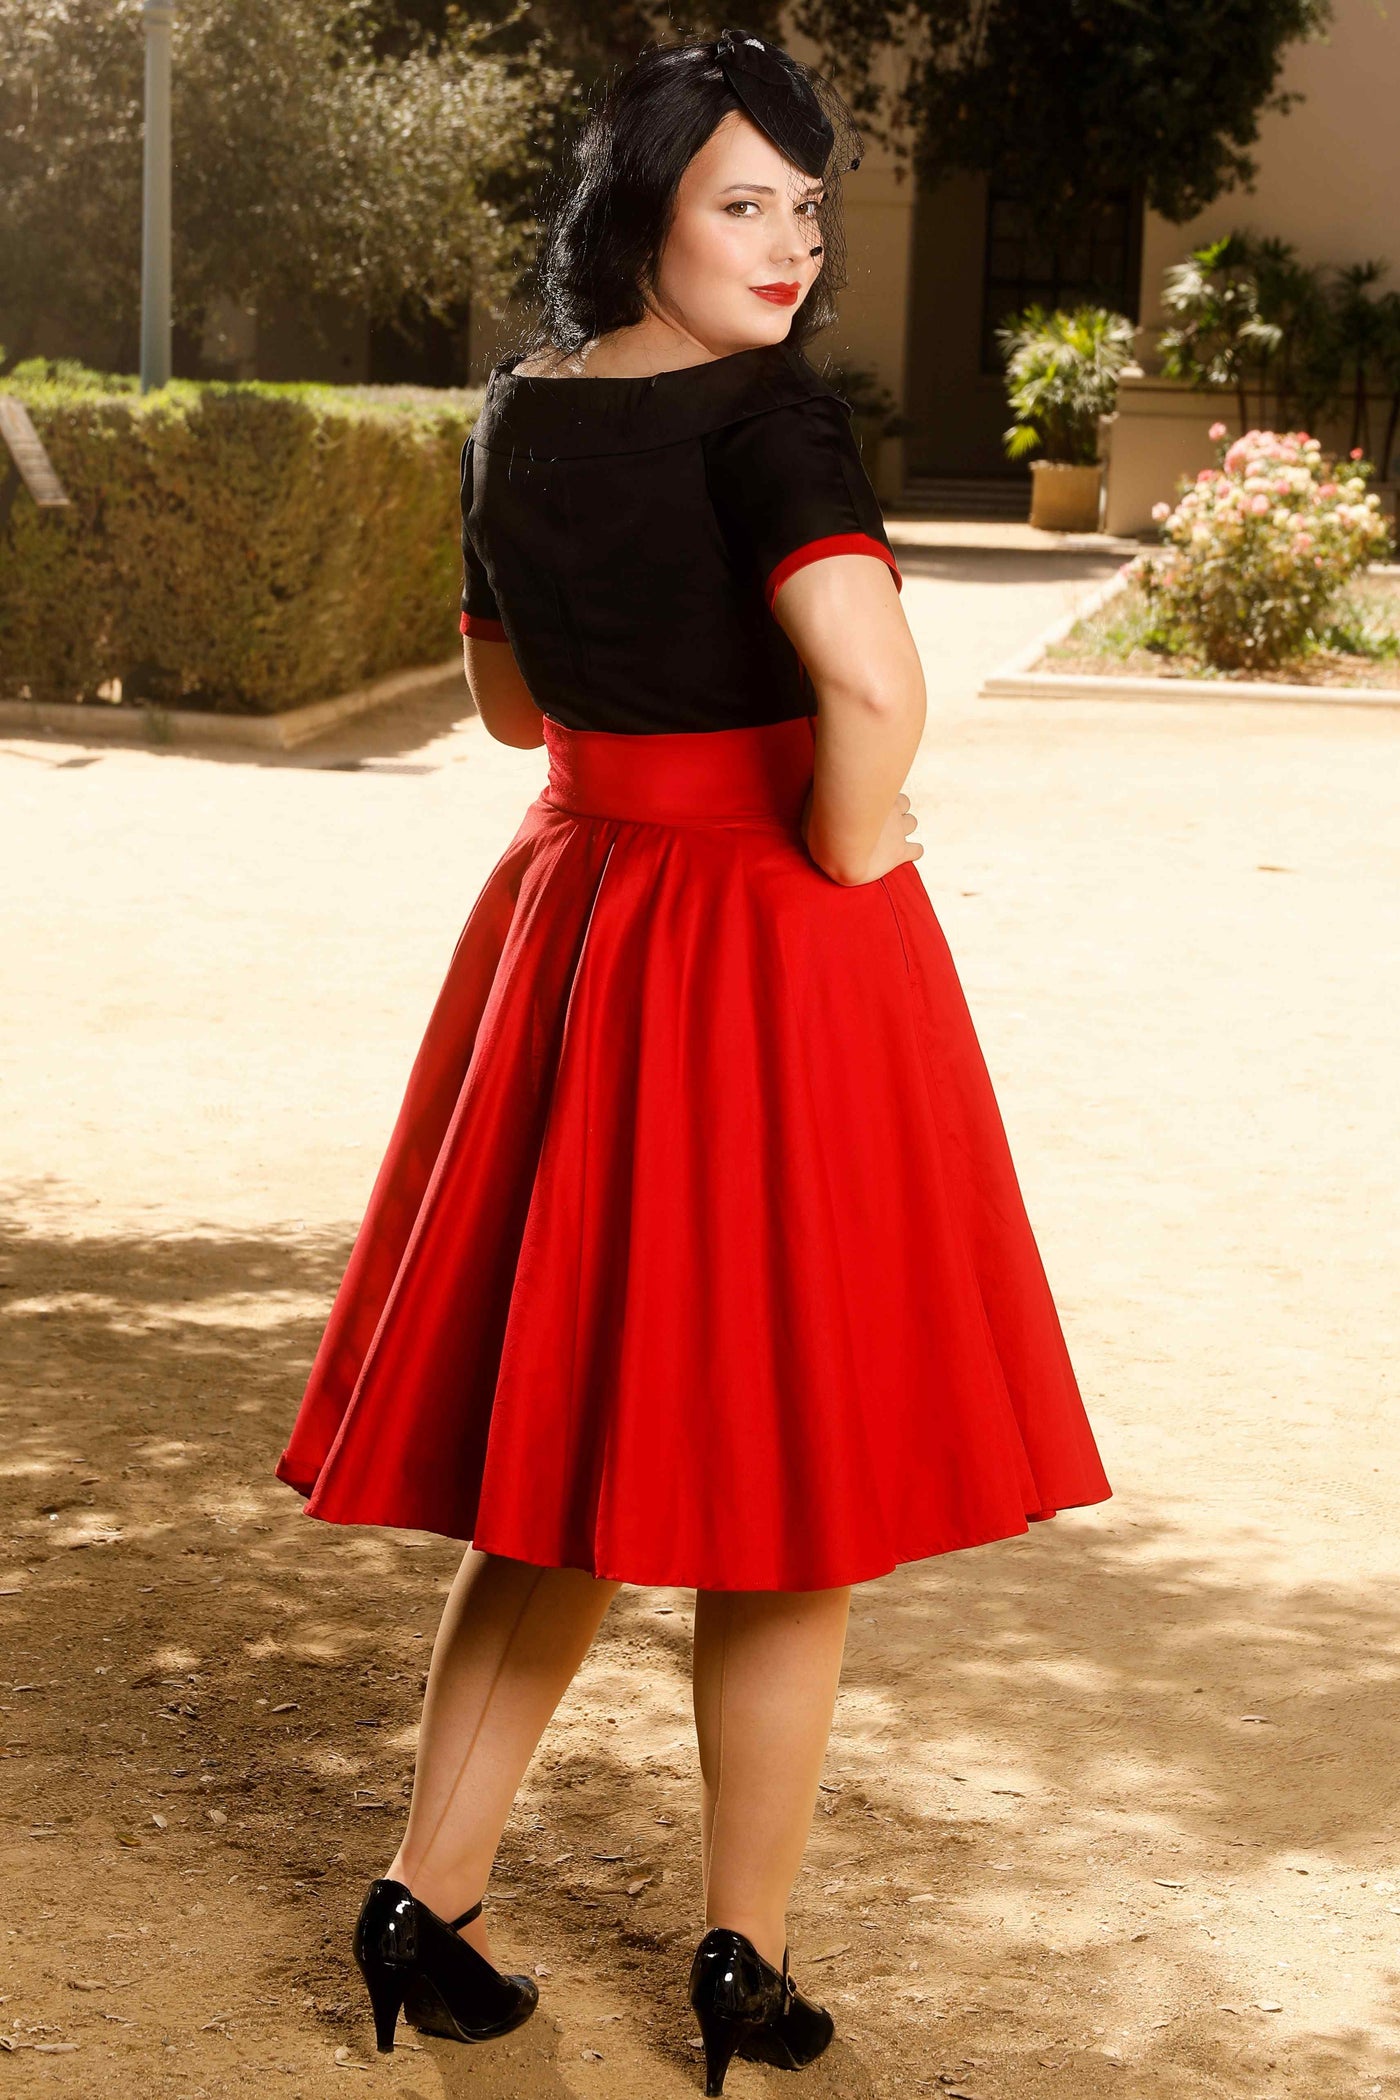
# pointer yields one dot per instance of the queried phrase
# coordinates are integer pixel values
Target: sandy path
(1110, 1806)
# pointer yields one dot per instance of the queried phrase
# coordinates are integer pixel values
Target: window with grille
(1097, 265)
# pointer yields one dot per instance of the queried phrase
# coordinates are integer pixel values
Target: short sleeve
(481, 616)
(788, 488)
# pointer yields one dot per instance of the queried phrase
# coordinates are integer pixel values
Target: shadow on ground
(207, 1687)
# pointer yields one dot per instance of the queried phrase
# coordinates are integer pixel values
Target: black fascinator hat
(778, 94)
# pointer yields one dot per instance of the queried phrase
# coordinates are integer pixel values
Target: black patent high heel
(748, 2008)
(414, 1961)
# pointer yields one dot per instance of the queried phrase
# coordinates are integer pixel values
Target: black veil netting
(808, 121)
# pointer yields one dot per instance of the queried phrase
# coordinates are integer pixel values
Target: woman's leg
(765, 1671)
(512, 1636)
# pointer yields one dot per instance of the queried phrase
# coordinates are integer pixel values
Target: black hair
(603, 236)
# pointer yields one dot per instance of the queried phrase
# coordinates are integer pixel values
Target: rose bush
(1258, 546)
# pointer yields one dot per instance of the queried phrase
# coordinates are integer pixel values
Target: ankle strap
(467, 1915)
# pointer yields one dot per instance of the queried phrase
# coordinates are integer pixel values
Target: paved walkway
(1110, 1806)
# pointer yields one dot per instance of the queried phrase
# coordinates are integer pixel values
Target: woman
(697, 1256)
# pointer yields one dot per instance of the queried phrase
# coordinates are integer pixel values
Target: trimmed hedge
(237, 547)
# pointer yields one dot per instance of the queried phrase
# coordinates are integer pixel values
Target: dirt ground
(1109, 1807)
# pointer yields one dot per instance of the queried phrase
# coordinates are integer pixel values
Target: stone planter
(1065, 499)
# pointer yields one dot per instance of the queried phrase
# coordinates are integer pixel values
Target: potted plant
(1061, 376)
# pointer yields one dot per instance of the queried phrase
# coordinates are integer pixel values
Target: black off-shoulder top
(627, 537)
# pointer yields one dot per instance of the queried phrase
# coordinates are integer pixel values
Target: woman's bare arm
(844, 618)
(503, 700)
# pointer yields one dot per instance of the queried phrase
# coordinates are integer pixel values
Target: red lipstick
(778, 294)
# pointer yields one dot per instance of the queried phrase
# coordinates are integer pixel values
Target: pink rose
(1161, 510)
(1355, 452)
(1329, 488)
(1259, 506)
(1206, 474)
(1217, 432)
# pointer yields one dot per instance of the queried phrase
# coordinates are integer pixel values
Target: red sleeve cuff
(817, 550)
(481, 629)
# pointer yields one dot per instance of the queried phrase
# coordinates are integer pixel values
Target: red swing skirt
(697, 1255)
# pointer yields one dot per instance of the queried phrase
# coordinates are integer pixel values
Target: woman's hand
(894, 845)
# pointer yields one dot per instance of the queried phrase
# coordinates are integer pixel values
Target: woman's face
(737, 260)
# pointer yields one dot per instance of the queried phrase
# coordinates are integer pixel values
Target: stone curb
(1018, 678)
(94, 721)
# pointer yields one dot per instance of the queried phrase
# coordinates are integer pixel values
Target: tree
(307, 159)
(1064, 101)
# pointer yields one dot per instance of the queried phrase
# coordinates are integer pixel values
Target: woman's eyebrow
(767, 189)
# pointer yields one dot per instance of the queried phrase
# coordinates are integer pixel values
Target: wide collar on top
(579, 418)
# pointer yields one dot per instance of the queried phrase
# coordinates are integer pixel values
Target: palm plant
(1387, 352)
(1360, 328)
(1293, 298)
(1062, 372)
(1219, 336)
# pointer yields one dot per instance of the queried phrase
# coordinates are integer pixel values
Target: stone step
(1001, 496)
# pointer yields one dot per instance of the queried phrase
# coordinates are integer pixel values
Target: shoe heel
(722, 2035)
(386, 1996)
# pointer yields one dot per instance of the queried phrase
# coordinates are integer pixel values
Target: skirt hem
(673, 1579)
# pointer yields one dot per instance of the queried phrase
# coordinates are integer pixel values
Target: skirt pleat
(697, 1255)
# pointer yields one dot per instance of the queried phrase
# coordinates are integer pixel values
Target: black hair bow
(777, 95)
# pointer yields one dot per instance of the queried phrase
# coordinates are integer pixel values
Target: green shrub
(243, 548)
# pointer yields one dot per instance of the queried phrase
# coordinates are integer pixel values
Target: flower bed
(1257, 550)
(1357, 645)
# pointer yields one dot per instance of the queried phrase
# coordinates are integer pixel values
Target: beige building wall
(1329, 170)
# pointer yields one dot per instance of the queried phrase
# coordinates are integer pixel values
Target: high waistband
(682, 777)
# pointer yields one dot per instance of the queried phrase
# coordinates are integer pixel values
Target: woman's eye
(742, 206)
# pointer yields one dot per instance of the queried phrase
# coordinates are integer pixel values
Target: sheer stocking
(512, 1636)
(764, 1677)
